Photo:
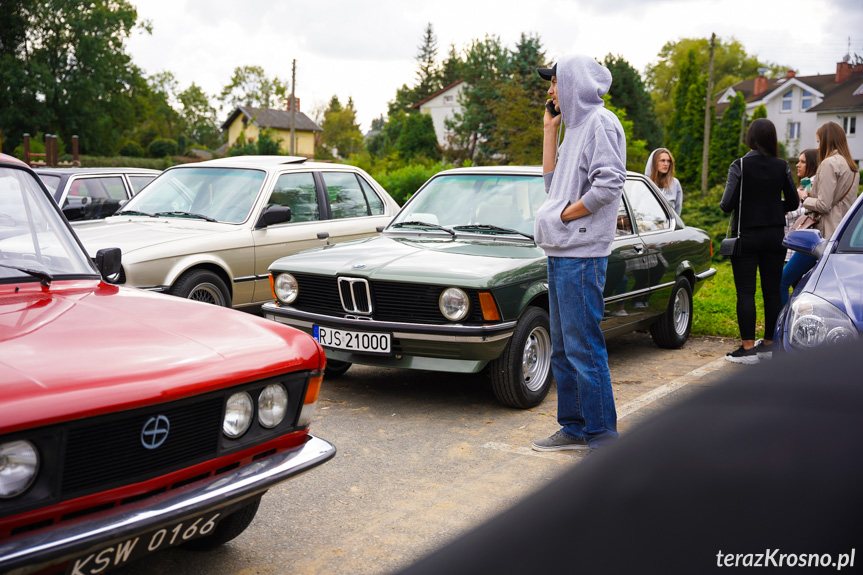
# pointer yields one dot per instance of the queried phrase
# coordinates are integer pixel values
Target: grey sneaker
(560, 442)
(764, 351)
(743, 356)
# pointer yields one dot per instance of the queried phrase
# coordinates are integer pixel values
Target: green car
(455, 283)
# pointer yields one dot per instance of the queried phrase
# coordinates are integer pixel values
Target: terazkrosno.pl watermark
(775, 558)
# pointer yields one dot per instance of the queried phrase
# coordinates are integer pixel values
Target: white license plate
(121, 553)
(360, 341)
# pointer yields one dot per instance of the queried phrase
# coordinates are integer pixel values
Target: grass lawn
(715, 306)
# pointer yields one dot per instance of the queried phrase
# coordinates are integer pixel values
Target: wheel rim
(207, 293)
(536, 358)
(681, 312)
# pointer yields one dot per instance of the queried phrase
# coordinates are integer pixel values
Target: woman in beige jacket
(834, 190)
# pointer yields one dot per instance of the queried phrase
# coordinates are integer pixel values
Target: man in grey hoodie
(575, 226)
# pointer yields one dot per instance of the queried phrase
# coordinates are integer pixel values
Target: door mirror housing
(274, 215)
(109, 263)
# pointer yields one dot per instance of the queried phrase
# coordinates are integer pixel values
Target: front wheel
(521, 376)
(227, 529)
(336, 368)
(202, 285)
(672, 329)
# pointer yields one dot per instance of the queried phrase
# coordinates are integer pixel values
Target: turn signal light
(311, 399)
(489, 308)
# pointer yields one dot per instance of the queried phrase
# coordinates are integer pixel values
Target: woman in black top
(768, 192)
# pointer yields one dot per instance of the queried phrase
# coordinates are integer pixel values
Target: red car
(131, 421)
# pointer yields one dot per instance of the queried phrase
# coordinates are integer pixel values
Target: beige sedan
(209, 231)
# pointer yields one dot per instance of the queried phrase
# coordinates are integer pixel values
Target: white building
(441, 106)
(798, 105)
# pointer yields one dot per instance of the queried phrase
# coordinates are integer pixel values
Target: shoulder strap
(740, 207)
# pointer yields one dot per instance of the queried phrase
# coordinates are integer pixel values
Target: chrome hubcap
(207, 293)
(681, 312)
(536, 358)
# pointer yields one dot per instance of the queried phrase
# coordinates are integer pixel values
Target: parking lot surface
(424, 457)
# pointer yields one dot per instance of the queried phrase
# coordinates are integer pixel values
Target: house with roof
(442, 105)
(799, 105)
(249, 121)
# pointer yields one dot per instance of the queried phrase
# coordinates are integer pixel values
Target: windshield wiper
(187, 215)
(426, 224)
(44, 277)
(493, 229)
(134, 213)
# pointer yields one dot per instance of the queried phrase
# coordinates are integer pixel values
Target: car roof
(72, 171)
(507, 170)
(6, 158)
(267, 163)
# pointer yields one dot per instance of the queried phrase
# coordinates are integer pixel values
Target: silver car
(209, 231)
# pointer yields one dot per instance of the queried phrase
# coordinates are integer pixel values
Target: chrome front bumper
(55, 546)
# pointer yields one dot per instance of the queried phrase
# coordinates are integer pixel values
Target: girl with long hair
(807, 165)
(660, 169)
(834, 190)
(768, 192)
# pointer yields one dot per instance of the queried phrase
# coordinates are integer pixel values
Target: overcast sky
(367, 49)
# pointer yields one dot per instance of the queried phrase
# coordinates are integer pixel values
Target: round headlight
(841, 335)
(286, 287)
(454, 304)
(808, 331)
(272, 405)
(19, 462)
(238, 415)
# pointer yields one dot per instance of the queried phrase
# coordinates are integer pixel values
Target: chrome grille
(355, 295)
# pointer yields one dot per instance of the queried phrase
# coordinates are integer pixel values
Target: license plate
(135, 547)
(360, 341)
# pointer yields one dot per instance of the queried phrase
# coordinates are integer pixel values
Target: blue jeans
(794, 269)
(579, 360)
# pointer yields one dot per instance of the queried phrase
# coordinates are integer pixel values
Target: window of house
(849, 124)
(786, 101)
(448, 99)
(806, 100)
(794, 131)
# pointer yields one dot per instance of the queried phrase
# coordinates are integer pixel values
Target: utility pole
(293, 103)
(705, 156)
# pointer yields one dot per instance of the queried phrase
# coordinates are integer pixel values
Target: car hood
(465, 262)
(133, 234)
(839, 283)
(82, 348)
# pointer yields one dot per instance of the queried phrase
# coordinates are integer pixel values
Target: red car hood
(83, 348)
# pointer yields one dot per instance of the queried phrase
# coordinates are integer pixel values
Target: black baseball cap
(547, 73)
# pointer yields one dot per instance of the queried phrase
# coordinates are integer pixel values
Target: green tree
(731, 64)
(251, 86)
(428, 80)
(636, 149)
(69, 73)
(724, 140)
(417, 138)
(199, 116)
(759, 112)
(629, 93)
(341, 136)
(685, 130)
(452, 69)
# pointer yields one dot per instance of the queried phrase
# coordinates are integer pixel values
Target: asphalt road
(423, 457)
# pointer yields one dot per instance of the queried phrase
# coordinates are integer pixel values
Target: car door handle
(323, 235)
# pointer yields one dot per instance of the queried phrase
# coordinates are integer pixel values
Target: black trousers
(761, 251)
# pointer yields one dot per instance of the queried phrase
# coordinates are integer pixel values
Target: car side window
(99, 188)
(138, 182)
(624, 223)
(346, 198)
(297, 191)
(376, 205)
(646, 209)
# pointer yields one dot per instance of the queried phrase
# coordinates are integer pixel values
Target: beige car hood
(131, 235)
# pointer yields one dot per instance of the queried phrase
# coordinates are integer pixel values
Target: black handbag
(731, 246)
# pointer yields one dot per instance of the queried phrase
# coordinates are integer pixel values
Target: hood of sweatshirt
(582, 82)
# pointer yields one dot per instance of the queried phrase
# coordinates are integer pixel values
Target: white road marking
(626, 410)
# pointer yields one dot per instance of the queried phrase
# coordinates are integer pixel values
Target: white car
(209, 231)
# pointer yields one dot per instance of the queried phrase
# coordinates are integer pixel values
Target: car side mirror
(807, 242)
(109, 262)
(274, 215)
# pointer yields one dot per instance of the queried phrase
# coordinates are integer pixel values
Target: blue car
(827, 304)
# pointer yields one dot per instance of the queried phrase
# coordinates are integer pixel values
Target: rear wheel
(336, 368)
(521, 376)
(227, 529)
(202, 285)
(672, 329)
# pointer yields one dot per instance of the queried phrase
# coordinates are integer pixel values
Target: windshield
(474, 200)
(219, 194)
(33, 236)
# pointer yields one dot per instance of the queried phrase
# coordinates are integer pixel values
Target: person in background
(575, 227)
(768, 193)
(830, 197)
(807, 164)
(660, 169)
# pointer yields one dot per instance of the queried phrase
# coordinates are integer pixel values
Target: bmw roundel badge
(359, 266)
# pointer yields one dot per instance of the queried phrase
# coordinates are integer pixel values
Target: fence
(50, 154)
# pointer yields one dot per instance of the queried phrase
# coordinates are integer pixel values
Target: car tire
(336, 368)
(227, 529)
(672, 329)
(521, 376)
(204, 286)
